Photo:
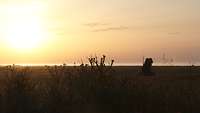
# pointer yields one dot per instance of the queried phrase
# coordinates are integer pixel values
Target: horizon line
(115, 64)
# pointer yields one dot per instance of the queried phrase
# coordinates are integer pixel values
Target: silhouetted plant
(18, 96)
(59, 89)
(147, 67)
(100, 67)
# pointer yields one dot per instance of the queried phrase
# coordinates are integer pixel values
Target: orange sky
(57, 31)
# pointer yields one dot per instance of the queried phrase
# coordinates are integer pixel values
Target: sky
(58, 31)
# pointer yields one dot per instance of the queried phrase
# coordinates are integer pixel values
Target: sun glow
(23, 29)
(24, 34)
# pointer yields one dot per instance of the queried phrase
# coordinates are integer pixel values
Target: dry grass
(81, 89)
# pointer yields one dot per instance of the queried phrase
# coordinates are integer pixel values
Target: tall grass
(17, 91)
(93, 89)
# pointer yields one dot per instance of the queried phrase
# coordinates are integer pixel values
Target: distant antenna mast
(164, 58)
(143, 58)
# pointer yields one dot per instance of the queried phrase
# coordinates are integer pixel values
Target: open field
(64, 89)
(122, 70)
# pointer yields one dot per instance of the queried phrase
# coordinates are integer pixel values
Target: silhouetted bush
(147, 67)
(18, 91)
(100, 66)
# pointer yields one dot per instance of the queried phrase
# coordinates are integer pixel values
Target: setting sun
(24, 34)
(23, 28)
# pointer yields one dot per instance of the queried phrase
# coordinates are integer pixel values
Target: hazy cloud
(96, 24)
(102, 27)
(174, 33)
(111, 29)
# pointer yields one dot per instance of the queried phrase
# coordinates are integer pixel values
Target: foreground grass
(81, 90)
